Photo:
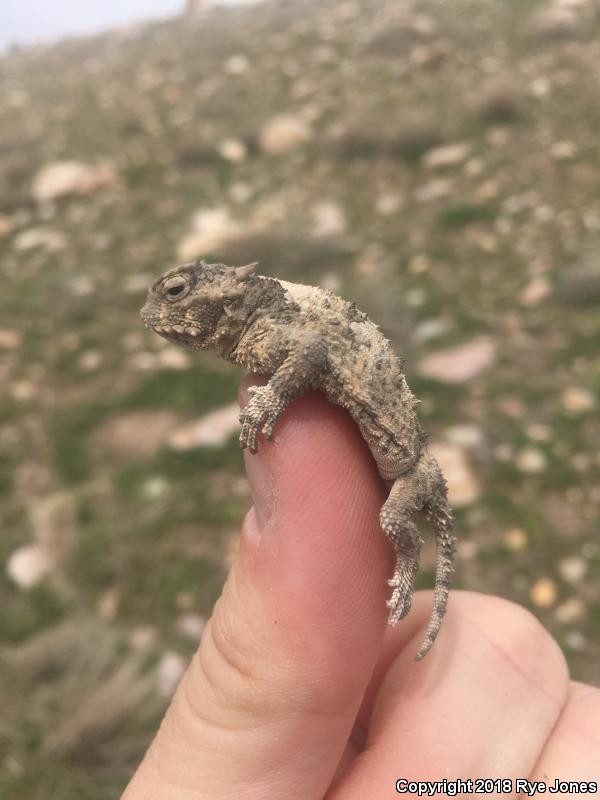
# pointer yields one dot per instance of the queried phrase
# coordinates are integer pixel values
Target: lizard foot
(402, 584)
(259, 415)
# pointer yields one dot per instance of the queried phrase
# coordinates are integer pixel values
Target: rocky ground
(438, 163)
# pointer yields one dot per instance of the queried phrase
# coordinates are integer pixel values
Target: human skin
(299, 688)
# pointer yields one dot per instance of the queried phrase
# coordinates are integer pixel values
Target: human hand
(299, 689)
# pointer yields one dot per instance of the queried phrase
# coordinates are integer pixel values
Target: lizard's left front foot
(259, 415)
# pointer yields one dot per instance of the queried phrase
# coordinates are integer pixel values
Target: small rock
(108, 603)
(210, 228)
(169, 672)
(467, 436)
(174, 358)
(430, 329)
(460, 364)
(283, 134)
(572, 569)
(419, 264)
(389, 203)
(463, 487)
(233, 150)
(531, 461)
(543, 593)
(134, 435)
(10, 339)
(554, 21)
(23, 390)
(540, 86)
(143, 361)
(90, 360)
(29, 565)
(433, 190)
(65, 178)
(143, 637)
(329, 220)
(7, 225)
(237, 64)
(82, 285)
(468, 549)
(446, 156)
(155, 488)
(570, 611)
(563, 151)
(515, 539)
(212, 430)
(536, 290)
(539, 433)
(45, 238)
(577, 400)
(54, 523)
(191, 626)
(240, 192)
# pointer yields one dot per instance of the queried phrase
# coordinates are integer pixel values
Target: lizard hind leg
(423, 491)
(397, 521)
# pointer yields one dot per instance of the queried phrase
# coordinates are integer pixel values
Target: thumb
(272, 694)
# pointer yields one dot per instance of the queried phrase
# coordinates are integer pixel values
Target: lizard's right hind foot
(403, 585)
(423, 491)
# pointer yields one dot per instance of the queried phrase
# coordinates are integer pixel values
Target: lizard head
(194, 305)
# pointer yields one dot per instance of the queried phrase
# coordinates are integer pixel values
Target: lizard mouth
(177, 332)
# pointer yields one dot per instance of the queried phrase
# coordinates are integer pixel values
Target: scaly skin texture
(307, 338)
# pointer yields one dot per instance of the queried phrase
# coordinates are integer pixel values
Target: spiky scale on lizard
(307, 338)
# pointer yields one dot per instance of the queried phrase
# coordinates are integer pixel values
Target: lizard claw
(259, 415)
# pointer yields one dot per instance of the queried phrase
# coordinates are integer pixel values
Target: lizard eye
(175, 288)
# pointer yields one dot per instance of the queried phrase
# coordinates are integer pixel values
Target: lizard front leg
(300, 371)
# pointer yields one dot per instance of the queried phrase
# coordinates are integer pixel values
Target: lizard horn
(243, 273)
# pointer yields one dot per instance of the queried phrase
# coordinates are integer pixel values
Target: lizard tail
(438, 513)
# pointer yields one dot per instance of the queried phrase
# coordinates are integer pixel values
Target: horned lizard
(307, 338)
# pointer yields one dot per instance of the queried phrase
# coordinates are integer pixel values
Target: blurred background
(436, 161)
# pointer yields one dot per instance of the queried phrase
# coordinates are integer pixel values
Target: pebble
(572, 569)
(283, 134)
(563, 151)
(329, 219)
(174, 358)
(515, 539)
(570, 611)
(536, 290)
(29, 565)
(64, 178)
(543, 593)
(210, 228)
(446, 156)
(531, 461)
(45, 238)
(90, 360)
(389, 203)
(433, 190)
(467, 436)
(430, 329)
(233, 150)
(10, 339)
(169, 672)
(237, 64)
(459, 364)
(211, 430)
(463, 486)
(7, 225)
(577, 400)
(191, 626)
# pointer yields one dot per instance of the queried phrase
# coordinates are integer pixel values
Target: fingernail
(261, 488)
